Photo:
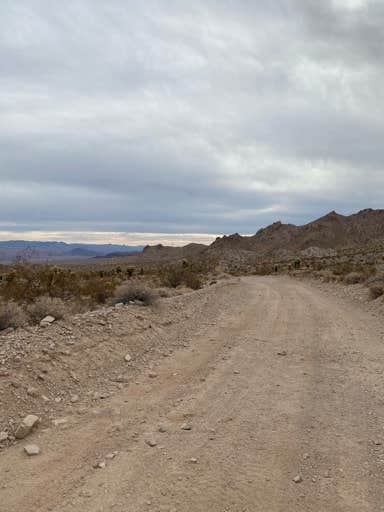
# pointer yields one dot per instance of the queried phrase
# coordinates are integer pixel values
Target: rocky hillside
(320, 237)
(162, 252)
(333, 231)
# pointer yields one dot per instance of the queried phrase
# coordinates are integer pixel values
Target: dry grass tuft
(353, 278)
(44, 306)
(11, 315)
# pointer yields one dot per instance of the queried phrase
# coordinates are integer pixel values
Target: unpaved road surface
(257, 418)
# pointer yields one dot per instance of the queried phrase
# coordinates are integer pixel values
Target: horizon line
(108, 237)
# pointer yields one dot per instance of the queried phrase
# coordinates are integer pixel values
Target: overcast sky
(180, 117)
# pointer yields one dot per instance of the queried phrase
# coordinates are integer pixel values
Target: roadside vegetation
(30, 292)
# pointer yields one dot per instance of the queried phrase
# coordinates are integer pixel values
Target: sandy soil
(274, 379)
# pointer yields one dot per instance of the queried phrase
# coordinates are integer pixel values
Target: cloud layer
(162, 117)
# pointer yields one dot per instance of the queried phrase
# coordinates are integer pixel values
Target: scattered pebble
(32, 392)
(298, 479)
(32, 449)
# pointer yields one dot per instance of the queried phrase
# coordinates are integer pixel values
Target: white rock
(128, 358)
(26, 426)
(60, 421)
(32, 449)
(48, 320)
(298, 479)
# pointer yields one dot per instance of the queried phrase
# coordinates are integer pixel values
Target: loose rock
(298, 479)
(26, 426)
(48, 320)
(32, 392)
(32, 449)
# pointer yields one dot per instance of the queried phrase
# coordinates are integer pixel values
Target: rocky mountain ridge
(329, 233)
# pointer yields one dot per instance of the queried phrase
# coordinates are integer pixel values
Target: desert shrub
(192, 280)
(174, 276)
(25, 283)
(98, 290)
(163, 292)
(11, 315)
(376, 291)
(44, 306)
(326, 276)
(129, 292)
(353, 278)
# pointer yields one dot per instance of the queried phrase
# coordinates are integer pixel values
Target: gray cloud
(218, 116)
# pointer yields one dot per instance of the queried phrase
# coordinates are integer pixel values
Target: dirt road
(278, 381)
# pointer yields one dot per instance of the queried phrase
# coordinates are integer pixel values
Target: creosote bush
(131, 292)
(177, 275)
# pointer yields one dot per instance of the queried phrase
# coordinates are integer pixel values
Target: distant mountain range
(38, 251)
(320, 237)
